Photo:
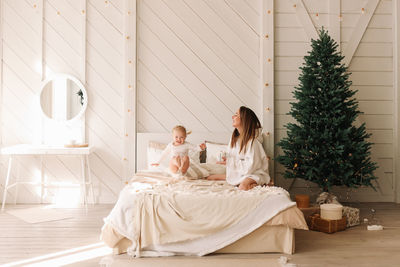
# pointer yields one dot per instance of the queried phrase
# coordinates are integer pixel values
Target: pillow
(154, 151)
(213, 168)
(196, 171)
(215, 151)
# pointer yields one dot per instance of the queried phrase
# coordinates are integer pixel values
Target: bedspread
(154, 209)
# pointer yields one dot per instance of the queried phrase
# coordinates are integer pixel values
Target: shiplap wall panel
(236, 23)
(250, 16)
(211, 42)
(194, 75)
(225, 32)
(145, 76)
(197, 57)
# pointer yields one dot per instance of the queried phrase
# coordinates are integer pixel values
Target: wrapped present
(352, 215)
(308, 212)
(326, 226)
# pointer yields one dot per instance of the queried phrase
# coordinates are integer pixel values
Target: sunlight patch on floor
(66, 257)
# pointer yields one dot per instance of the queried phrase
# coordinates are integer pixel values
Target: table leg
(84, 180)
(90, 178)
(41, 179)
(7, 181)
(17, 179)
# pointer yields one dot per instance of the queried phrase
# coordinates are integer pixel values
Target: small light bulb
(340, 18)
(362, 10)
(317, 16)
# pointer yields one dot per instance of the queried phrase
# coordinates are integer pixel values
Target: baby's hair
(181, 128)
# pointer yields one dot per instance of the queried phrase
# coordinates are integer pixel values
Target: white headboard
(194, 138)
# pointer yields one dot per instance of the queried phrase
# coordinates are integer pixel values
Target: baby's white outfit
(182, 150)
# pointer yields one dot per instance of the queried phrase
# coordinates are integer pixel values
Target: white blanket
(168, 212)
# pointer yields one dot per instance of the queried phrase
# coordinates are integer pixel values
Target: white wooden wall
(197, 62)
(372, 75)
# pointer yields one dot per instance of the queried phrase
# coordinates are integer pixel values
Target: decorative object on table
(302, 201)
(326, 226)
(76, 145)
(324, 145)
(352, 216)
(331, 211)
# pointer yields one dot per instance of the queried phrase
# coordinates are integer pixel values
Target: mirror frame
(80, 85)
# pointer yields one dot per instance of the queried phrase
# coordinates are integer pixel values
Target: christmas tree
(324, 146)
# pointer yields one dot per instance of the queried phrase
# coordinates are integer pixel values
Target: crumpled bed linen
(154, 209)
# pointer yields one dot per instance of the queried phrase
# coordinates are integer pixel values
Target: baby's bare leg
(173, 164)
(217, 177)
(185, 164)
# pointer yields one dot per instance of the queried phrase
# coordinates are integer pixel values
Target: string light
(362, 10)
(340, 18)
(316, 16)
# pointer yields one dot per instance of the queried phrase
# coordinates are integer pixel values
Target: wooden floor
(75, 242)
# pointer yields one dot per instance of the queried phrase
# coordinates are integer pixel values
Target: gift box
(308, 212)
(326, 226)
(352, 216)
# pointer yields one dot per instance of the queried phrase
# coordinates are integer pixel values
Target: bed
(159, 215)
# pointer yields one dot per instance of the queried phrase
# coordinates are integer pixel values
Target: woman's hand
(223, 162)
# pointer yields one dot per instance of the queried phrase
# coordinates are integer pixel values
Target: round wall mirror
(63, 98)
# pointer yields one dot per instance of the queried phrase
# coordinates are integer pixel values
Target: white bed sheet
(208, 244)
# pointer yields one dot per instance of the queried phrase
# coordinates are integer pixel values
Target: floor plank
(75, 242)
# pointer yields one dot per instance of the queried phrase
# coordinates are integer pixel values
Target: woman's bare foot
(247, 184)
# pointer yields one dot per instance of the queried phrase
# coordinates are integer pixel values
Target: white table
(46, 150)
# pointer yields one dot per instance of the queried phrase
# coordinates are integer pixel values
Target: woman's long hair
(250, 125)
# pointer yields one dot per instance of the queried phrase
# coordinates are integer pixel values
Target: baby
(178, 151)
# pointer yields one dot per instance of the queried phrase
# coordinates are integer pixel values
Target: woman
(246, 162)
